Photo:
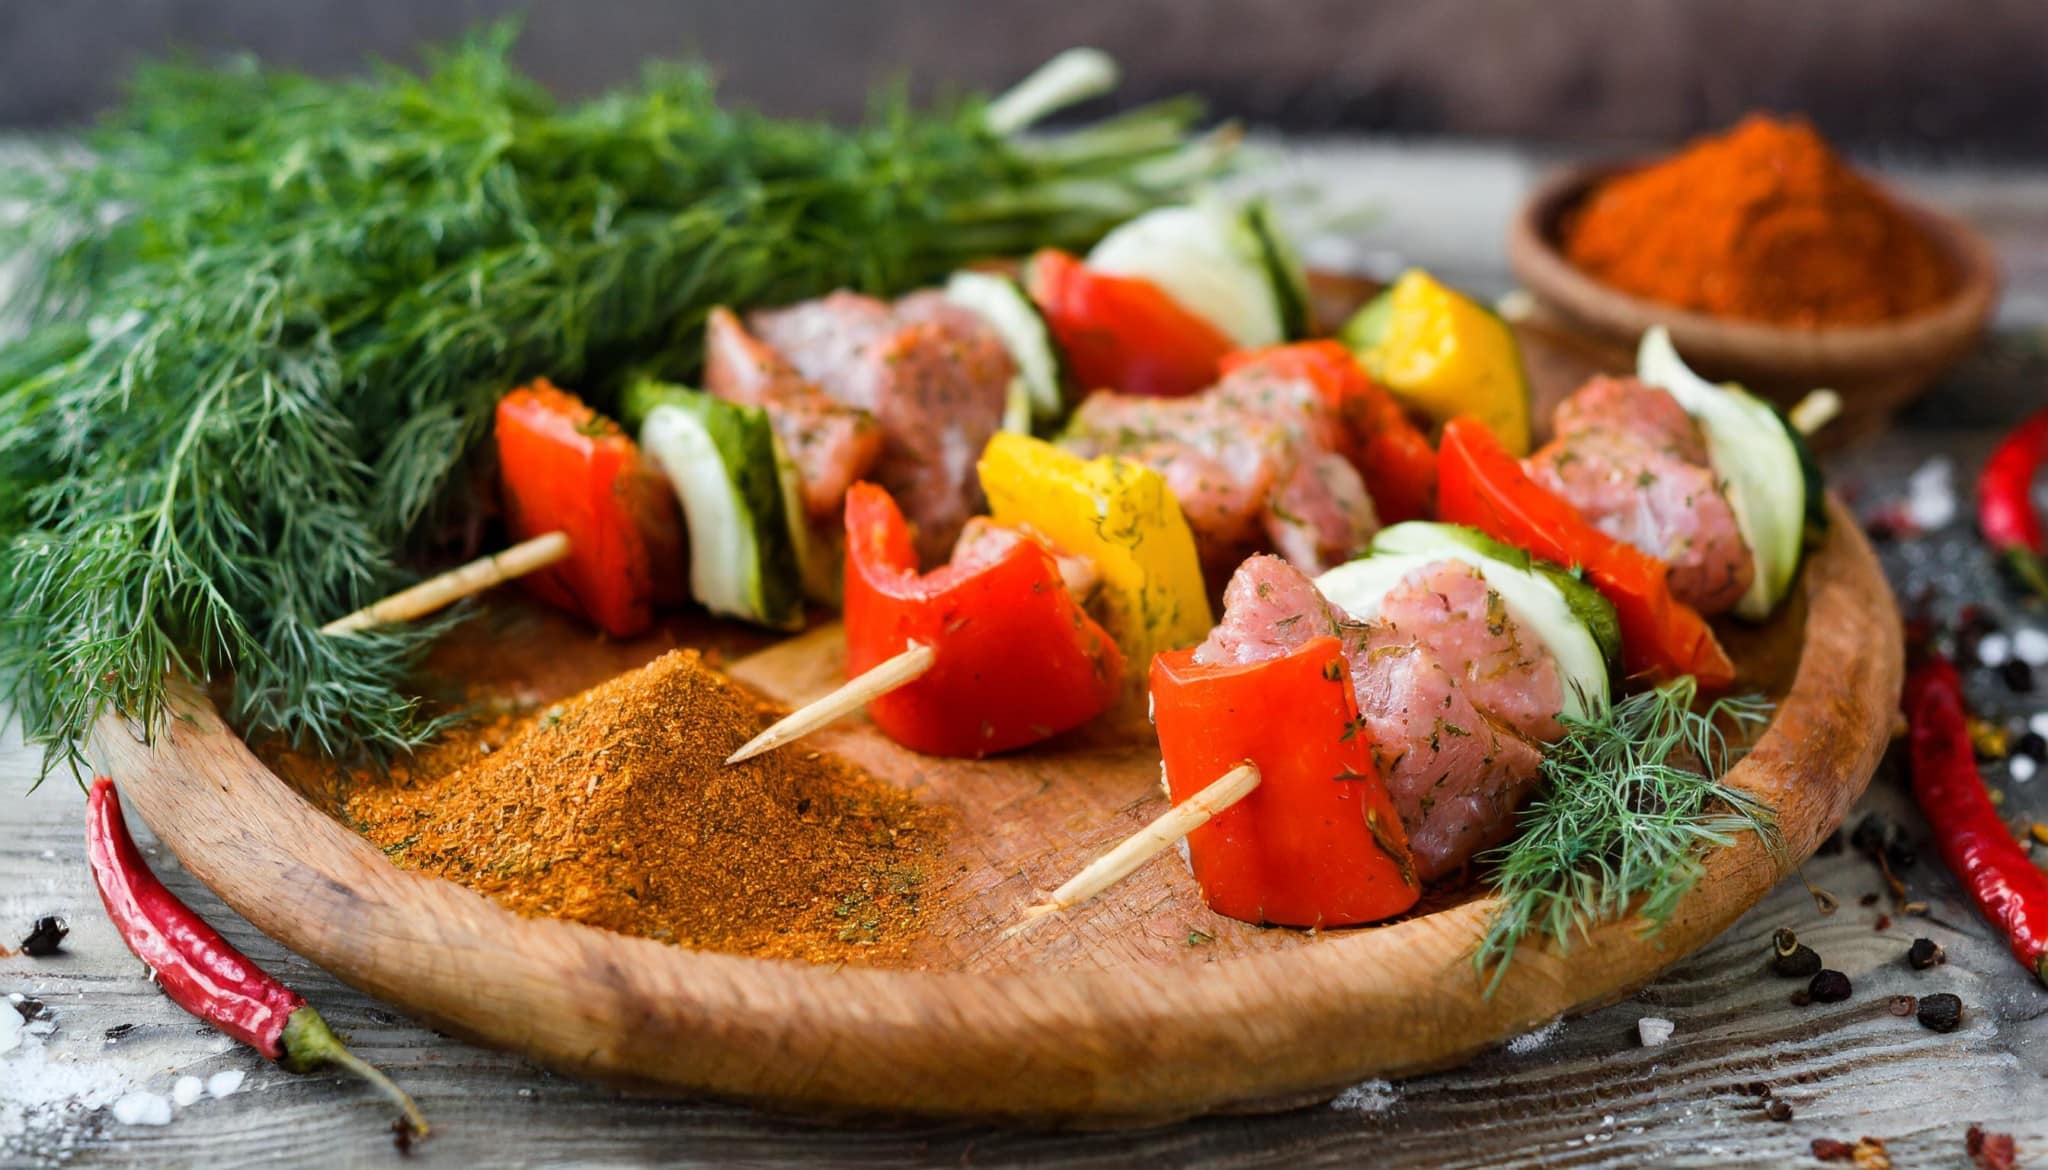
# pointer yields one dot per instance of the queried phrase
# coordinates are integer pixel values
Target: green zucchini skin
(726, 466)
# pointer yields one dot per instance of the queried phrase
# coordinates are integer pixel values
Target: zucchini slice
(1573, 621)
(736, 487)
(1284, 269)
(1002, 302)
(1209, 257)
(1772, 482)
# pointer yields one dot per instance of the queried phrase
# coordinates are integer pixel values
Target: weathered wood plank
(1847, 1069)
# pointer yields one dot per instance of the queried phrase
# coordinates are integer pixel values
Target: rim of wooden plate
(1092, 1048)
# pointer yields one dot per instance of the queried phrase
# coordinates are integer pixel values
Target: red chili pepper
(2006, 885)
(2005, 502)
(566, 468)
(199, 970)
(1122, 333)
(1016, 660)
(1318, 842)
(1389, 450)
(1480, 484)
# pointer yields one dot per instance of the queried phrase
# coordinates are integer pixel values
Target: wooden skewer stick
(1150, 841)
(456, 584)
(855, 693)
(1815, 411)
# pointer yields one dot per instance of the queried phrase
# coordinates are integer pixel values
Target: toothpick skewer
(873, 683)
(1815, 411)
(1150, 841)
(456, 584)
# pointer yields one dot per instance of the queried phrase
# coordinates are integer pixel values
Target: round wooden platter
(1140, 1007)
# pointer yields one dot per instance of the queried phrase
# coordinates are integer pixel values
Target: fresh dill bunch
(268, 316)
(1631, 799)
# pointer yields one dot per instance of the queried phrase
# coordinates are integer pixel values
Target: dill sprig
(1631, 799)
(267, 317)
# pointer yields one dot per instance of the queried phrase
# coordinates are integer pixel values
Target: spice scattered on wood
(615, 808)
(1778, 1110)
(1884, 922)
(45, 938)
(1757, 1089)
(1867, 1154)
(1763, 223)
(1925, 953)
(1990, 1151)
(1792, 958)
(1830, 986)
(1654, 1031)
(118, 1031)
(1941, 1012)
(1902, 1005)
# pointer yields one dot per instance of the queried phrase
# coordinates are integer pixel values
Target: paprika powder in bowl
(1772, 263)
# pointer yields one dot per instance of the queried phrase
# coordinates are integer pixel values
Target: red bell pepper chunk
(1122, 333)
(565, 468)
(1389, 450)
(1480, 484)
(1015, 658)
(1318, 842)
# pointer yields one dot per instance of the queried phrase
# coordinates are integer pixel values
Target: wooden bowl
(1875, 368)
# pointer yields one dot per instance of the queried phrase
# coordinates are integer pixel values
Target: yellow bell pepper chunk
(1444, 355)
(1121, 516)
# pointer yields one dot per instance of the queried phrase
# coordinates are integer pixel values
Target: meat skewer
(486, 572)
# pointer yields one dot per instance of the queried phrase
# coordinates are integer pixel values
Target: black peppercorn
(1829, 986)
(2018, 676)
(2032, 746)
(1941, 1012)
(1778, 1111)
(1802, 963)
(1925, 953)
(46, 938)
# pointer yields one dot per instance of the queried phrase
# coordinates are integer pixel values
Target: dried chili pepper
(1975, 843)
(2005, 505)
(199, 970)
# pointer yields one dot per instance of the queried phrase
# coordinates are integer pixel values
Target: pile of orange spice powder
(615, 808)
(1763, 223)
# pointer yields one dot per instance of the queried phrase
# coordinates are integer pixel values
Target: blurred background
(1911, 77)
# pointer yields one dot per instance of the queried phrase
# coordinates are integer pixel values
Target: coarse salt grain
(1528, 1042)
(1994, 649)
(1931, 494)
(1653, 1031)
(222, 1084)
(1368, 1097)
(2030, 645)
(143, 1108)
(187, 1090)
(2038, 723)
(2021, 768)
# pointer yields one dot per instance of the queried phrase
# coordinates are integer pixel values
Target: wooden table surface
(1582, 1092)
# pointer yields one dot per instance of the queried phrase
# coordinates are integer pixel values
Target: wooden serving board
(1107, 1015)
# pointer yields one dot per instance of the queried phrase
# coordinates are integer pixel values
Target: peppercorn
(1778, 1111)
(2018, 676)
(45, 938)
(1802, 963)
(1867, 900)
(2032, 746)
(1925, 953)
(1830, 986)
(1941, 1012)
(1902, 1005)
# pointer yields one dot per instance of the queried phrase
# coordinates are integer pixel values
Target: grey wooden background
(1944, 75)
(1581, 1094)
